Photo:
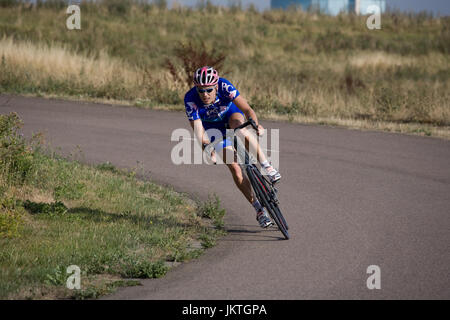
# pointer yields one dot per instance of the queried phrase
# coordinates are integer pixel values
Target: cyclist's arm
(199, 131)
(243, 105)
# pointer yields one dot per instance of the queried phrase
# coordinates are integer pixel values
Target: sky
(437, 7)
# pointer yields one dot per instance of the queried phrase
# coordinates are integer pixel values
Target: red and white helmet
(206, 76)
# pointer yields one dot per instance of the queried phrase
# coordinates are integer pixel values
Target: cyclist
(214, 103)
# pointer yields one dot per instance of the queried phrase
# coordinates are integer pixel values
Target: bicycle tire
(277, 208)
(274, 202)
(260, 188)
(263, 196)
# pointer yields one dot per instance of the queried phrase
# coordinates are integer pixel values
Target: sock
(256, 205)
(265, 164)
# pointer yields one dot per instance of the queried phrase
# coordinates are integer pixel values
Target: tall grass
(288, 64)
(55, 68)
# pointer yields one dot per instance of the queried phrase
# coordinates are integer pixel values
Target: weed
(388, 102)
(97, 290)
(56, 277)
(208, 240)
(211, 209)
(11, 221)
(144, 269)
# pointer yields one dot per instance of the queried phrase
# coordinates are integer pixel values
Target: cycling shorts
(222, 125)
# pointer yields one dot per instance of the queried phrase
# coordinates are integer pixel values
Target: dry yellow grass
(58, 62)
(379, 59)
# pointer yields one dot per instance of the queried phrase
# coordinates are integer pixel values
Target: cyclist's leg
(239, 178)
(225, 150)
(235, 119)
(244, 186)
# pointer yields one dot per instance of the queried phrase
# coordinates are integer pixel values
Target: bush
(10, 223)
(55, 208)
(16, 158)
(8, 3)
(107, 166)
(52, 4)
(118, 7)
(194, 56)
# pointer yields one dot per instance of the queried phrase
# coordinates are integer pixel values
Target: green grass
(290, 65)
(55, 213)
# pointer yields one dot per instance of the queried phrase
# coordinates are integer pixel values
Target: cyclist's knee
(236, 170)
(236, 120)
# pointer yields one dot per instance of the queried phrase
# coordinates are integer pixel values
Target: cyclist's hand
(211, 154)
(213, 157)
(260, 130)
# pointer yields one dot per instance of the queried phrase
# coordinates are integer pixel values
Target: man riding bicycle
(214, 103)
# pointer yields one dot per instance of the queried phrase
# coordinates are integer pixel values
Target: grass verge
(116, 228)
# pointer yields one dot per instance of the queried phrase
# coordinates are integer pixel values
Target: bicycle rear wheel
(263, 193)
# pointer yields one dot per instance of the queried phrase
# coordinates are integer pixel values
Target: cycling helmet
(206, 76)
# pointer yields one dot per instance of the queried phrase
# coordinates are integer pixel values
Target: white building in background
(362, 6)
(333, 7)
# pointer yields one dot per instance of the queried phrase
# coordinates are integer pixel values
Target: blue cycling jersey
(216, 112)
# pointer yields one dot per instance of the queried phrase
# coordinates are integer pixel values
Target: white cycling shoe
(263, 218)
(273, 174)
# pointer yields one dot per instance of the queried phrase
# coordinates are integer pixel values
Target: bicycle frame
(264, 190)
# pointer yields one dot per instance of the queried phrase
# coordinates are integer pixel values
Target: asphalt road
(352, 199)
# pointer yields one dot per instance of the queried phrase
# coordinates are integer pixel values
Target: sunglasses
(209, 90)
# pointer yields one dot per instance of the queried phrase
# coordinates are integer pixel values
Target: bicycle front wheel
(263, 193)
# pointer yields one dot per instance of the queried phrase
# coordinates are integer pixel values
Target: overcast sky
(441, 7)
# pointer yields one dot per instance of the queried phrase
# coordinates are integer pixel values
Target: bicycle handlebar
(251, 122)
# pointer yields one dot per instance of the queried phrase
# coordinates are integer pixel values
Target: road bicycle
(265, 191)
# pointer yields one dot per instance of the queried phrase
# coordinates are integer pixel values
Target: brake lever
(253, 123)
